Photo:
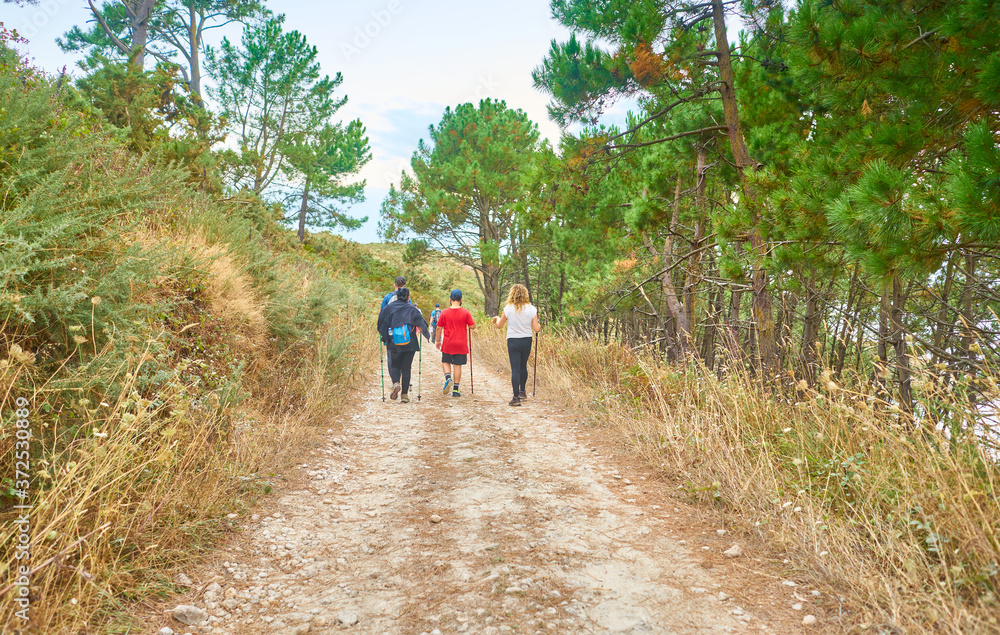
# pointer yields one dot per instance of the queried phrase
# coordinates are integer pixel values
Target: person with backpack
(389, 297)
(435, 314)
(398, 325)
(454, 325)
(521, 318)
(400, 282)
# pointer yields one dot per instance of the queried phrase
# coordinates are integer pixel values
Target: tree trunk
(562, 281)
(693, 276)
(846, 330)
(491, 288)
(712, 324)
(763, 310)
(898, 338)
(520, 258)
(677, 309)
(302, 212)
(525, 271)
(882, 363)
(731, 334)
(809, 354)
(194, 41)
(138, 12)
(967, 317)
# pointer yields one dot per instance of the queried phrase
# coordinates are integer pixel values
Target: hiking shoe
(516, 401)
(404, 398)
(522, 395)
(448, 381)
(455, 393)
(395, 390)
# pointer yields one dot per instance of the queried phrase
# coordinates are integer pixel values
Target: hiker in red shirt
(451, 338)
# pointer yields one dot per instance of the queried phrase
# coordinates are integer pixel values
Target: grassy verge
(167, 352)
(900, 522)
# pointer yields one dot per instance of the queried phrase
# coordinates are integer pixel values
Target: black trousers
(518, 350)
(399, 367)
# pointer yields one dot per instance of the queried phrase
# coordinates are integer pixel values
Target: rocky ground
(469, 516)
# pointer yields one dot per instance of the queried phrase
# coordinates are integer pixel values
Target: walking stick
(472, 381)
(420, 365)
(534, 379)
(381, 365)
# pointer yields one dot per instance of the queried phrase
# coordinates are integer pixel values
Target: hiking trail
(465, 515)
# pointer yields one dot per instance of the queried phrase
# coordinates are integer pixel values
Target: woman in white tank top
(521, 318)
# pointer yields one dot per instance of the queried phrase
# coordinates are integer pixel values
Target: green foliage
(66, 197)
(321, 157)
(173, 29)
(974, 185)
(156, 116)
(417, 251)
(273, 94)
(466, 184)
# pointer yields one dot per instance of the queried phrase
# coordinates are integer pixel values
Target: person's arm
(500, 320)
(471, 323)
(536, 326)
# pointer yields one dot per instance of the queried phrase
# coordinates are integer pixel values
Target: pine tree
(127, 30)
(318, 162)
(658, 47)
(272, 91)
(466, 184)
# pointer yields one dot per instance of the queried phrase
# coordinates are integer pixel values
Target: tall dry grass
(148, 483)
(181, 403)
(899, 522)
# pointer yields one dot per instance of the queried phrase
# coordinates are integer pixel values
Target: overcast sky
(403, 62)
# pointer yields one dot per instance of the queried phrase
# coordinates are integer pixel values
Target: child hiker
(521, 318)
(397, 324)
(452, 339)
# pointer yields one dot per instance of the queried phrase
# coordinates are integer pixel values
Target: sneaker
(404, 398)
(395, 390)
(455, 393)
(522, 395)
(516, 401)
(448, 381)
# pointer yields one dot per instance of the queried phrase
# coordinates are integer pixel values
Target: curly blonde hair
(518, 297)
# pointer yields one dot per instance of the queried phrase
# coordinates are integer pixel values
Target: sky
(403, 62)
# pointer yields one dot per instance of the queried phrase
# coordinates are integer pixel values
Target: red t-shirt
(454, 322)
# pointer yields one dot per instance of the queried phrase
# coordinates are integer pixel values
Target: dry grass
(901, 521)
(144, 483)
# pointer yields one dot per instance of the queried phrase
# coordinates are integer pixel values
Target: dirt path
(467, 515)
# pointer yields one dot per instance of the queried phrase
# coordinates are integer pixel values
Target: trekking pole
(472, 381)
(381, 365)
(420, 366)
(534, 379)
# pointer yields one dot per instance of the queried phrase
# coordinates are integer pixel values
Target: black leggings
(399, 367)
(518, 349)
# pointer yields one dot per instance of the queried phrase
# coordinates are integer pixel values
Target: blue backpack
(400, 335)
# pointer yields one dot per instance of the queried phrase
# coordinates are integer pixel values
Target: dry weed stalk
(899, 520)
